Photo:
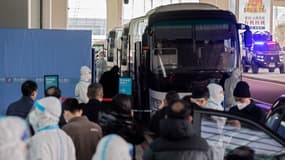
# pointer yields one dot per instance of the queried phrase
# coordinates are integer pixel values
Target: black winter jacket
(91, 109)
(251, 111)
(178, 141)
(20, 108)
(122, 124)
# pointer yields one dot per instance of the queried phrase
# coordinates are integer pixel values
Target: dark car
(225, 132)
(264, 54)
(276, 117)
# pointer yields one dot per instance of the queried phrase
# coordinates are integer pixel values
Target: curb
(263, 79)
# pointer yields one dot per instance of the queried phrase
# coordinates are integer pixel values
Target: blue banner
(125, 86)
(31, 54)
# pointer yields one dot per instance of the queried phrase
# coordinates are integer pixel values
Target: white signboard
(256, 14)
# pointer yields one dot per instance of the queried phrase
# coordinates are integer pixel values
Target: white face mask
(241, 105)
(220, 98)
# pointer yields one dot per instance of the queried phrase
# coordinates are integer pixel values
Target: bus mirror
(241, 26)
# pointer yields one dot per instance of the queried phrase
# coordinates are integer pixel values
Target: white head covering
(113, 147)
(230, 85)
(216, 96)
(85, 73)
(47, 112)
(13, 129)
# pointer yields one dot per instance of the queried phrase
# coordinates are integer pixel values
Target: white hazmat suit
(113, 147)
(230, 85)
(215, 102)
(49, 142)
(14, 130)
(216, 97)
(82, 86)
(101, 65)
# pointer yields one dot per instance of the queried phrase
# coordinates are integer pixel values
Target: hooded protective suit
(82, 86)
(215, 102)
(14, 131)
(49, 142)
(216, 97)
(113, 147)
(230, 85)
(101, 65)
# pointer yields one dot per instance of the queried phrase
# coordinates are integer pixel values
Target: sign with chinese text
(256, 14)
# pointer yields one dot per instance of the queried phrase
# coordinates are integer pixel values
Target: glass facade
(88, 15)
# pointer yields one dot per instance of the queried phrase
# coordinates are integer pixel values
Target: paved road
(266, 86)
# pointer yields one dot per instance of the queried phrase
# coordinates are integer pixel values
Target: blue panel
(125, 86)
(50, 81)
(31, 54)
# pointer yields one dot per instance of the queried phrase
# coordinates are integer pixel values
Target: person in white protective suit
(101, 65)
(14, 133)
(49, 141)
(216, 97)
(113, 147)
(229, 86)
(215, 102)
(82, 85)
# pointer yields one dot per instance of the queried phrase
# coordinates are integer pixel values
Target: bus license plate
(272, 65)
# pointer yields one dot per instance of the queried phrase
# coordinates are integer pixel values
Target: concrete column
(34, 13)
(27, 14)
(54, 14)
(114, 14)
(59, 14)
(47, 14)
(14, 14)
(278, 3)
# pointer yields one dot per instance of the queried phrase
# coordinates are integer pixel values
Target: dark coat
(91, 109)
(122, 124)
(110, 82)
(251, 111)
(154, 125)
(85, 136)
(20, 108)
(178, 141)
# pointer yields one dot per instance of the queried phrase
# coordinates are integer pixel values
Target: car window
(281, 128)
(224, 135)
(273, 119)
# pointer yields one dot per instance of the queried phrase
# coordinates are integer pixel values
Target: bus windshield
(194, 47)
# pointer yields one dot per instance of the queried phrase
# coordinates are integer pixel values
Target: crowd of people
(84, 128)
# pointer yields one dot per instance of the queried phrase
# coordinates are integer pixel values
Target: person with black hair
(187, 99)
(23, 106)
(53, 91)
(84, 133)
(245, 106)
(200, 96)
(118, 119)
(95, 94)
(178, 139)
(160, 114)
